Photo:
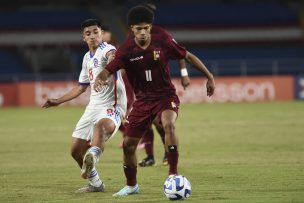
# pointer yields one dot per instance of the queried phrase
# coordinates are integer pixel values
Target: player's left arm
(185, 80)
(200, 66)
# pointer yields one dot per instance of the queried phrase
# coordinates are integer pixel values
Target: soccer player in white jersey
(102, 116)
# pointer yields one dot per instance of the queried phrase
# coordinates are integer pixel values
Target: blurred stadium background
(244, 152)
(255, 48)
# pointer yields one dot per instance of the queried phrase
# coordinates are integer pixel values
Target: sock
(94, 178)
(96, 151)
(149, 139)
(130, 174)
(172, 159)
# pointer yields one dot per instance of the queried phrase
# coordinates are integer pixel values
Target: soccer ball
(177, 187)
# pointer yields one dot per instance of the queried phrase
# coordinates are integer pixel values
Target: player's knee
(169, 128)
(105, 128)
(129, 147)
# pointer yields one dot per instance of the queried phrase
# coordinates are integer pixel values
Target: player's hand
(50, 103)
(185, 80)
(99, 84)
(210, 86)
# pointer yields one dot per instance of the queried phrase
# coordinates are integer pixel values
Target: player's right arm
(116, 64)
(82, 86)
(73, 93)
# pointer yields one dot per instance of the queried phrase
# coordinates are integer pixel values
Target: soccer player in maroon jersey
(147, 140)
(145, 60)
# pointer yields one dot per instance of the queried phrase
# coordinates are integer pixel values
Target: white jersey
(112, 95)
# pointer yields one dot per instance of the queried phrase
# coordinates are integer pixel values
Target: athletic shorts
(85, 126)
(143, 113)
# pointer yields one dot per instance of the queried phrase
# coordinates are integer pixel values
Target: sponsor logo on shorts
(113, 113)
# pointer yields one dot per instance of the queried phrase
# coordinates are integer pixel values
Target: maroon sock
(130, 174)
(148, 140)
(172, 161)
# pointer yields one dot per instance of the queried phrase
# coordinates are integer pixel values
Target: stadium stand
(232, 37)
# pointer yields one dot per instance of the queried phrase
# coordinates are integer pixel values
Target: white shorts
(85, 126)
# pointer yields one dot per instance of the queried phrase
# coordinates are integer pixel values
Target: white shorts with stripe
(86, 124)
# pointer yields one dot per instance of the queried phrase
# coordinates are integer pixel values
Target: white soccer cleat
(88, 165)
(127, 190)
(90, 188)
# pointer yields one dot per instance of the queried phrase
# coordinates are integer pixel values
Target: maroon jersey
(148, 70)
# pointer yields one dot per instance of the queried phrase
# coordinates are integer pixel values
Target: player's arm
(73, 93)
(112, 67)
(185, 80)
(101, 80)
(110, 55)
(199, 65)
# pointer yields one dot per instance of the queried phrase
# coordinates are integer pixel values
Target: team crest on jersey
(156, 55)
(95, 61)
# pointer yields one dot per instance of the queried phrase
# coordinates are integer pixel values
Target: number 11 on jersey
(148, 75)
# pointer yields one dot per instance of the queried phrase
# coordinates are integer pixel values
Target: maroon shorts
(143, 113)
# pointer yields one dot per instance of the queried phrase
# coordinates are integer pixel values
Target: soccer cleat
(88, 165)
(146, 162)
(165, 160)
(127, 190)
(91, 188)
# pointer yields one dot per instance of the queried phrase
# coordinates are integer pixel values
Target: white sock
(96, 151)
(94, 178)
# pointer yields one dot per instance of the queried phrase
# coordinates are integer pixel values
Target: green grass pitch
(229, 152)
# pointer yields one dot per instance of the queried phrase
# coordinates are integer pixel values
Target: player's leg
(130, 166)
(81, 143)
(104, 129)
(106, 123)
(168, 119)
(139, 120)
(148, 140)
(162, 134)
(78, 149)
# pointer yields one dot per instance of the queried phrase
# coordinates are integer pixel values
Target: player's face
(106, 36)
(141, 31)
(92, 35)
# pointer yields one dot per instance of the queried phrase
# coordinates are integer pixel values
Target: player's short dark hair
(150, 6)
(90, 22)
(140, 14)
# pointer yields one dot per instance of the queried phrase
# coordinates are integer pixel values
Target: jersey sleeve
(117, 63)
(105, 50)
(175, 50)
(83, 77)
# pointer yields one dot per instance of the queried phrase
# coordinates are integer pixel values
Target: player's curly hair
(90, 22)
(140, 14)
